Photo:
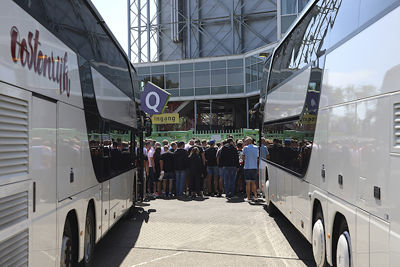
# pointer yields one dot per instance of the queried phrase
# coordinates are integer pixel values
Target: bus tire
(90, 236)
(343, 247)
(318, 240)
(69, 255)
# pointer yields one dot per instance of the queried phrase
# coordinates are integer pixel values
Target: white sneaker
(246, 200)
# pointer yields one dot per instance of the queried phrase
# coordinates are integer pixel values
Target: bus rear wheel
(68, 248)
(343, 247)
(318, 240)
(89, 238)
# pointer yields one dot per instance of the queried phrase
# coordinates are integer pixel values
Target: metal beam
(195, 115)
(129, 29)
(247, 113)
(148, 30)
(188, 28)
(139, 32)
(211, 114)
(233, 26)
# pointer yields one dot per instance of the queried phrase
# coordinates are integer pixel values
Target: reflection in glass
(236, 89)
(369, 9)
(235, 63)
(187, 67)
(186, 80)
(218, 77)
(306, 41)
(172, 68)
(346, 20)
(218, 90)
(202, 91)
(202, 65)
(143, 70)
(187, 92)
(235, 76)
(157, 69)
(158, 80)
(110, 147)
(202, 78)
(218, 64)
(288, 7)
(171, 80)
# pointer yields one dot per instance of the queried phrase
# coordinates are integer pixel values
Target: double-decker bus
(332, 114)
(68, 121)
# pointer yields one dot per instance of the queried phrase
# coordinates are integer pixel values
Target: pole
(247, 113)
(129, 30)
(148, 31)
(188, 28)
(195, 115)
(139, 32)
(210, 114)
(233, 26)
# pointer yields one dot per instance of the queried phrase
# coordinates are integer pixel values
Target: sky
(115, 14)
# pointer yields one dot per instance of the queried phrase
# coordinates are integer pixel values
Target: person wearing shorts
(167, 171)
(250, 157)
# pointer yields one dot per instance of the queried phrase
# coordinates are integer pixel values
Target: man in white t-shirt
(189, 145)
(150, 177)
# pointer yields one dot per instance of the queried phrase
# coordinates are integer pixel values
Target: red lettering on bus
(29, 55)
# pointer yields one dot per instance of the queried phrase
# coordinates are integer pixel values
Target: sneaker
(156, 194)
(163, 195)
(246, 200)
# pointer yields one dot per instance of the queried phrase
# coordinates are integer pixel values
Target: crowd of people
(203, 168)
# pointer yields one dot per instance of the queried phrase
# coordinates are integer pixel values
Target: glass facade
(290, 9)
(214, 77)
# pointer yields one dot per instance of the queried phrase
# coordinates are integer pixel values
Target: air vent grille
(13, 209)
(13, 136)
(14, 250)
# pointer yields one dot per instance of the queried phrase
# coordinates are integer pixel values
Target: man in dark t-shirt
(212, 168)
(167, 171)
(203, 161)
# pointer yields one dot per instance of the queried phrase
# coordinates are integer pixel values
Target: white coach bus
(332, 110)
(67, 121)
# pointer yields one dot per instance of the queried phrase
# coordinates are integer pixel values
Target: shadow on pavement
(122, 237)
(297, 241)
(235, 200)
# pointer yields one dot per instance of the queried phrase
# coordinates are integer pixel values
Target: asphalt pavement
(203, 232)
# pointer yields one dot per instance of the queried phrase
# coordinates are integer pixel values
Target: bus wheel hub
(318, 242)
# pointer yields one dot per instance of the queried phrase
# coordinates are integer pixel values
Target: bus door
(43, 140)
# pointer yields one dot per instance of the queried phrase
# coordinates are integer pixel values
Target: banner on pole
(166, 118)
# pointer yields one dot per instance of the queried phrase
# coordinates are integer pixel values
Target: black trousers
(195, 182)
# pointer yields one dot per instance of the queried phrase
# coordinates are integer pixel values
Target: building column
(148, 31)
(210, 114)
(247, 113)
(139, 39)
(129, 30)
(195, 115)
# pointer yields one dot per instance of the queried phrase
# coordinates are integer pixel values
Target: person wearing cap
(212, 168)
